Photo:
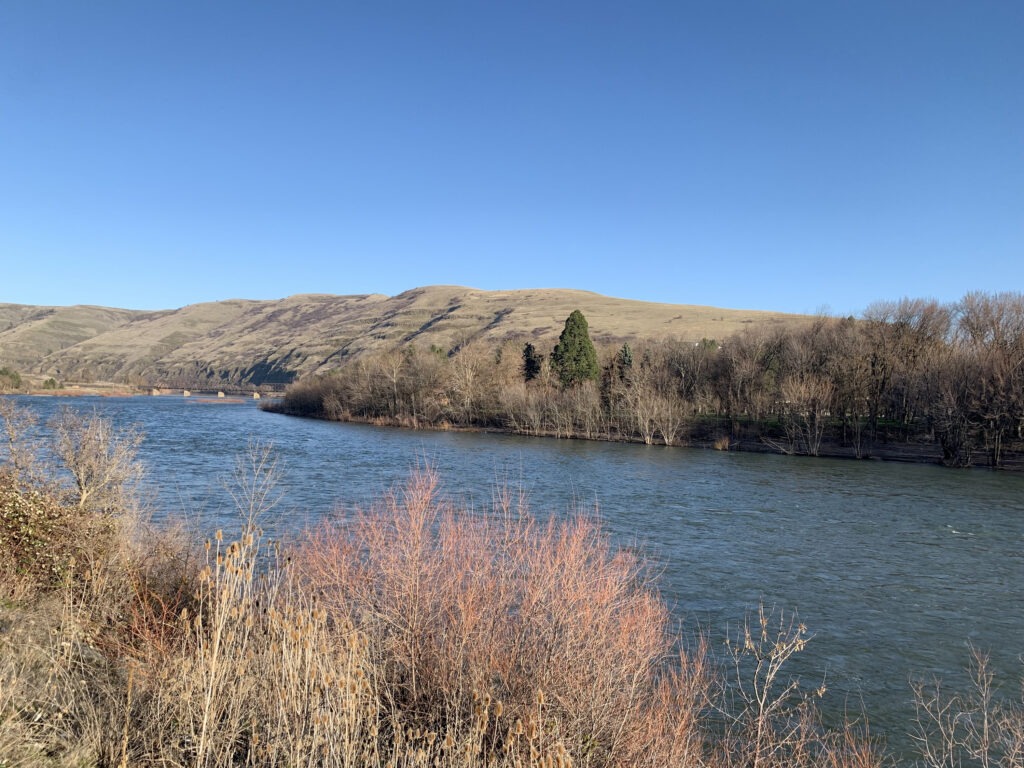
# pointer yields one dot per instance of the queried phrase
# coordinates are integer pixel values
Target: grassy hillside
(29, 334)
(257, 342)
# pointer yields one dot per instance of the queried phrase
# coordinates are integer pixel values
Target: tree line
(913, 378)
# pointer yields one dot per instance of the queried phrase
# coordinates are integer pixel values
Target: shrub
(50, 529)
(982, 726)
(100, 459)
(546, 623)
(41, 537)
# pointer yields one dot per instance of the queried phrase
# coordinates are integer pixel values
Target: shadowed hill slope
(238, 342)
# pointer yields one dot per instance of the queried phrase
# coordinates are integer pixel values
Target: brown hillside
(258, 342)
(28, 334)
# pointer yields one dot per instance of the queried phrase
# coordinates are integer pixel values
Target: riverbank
(709, 435)
(84, 390)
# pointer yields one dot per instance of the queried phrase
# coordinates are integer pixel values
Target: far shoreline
(905, 453)
(884, 452)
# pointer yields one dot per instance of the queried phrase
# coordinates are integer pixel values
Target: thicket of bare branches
(549, 623)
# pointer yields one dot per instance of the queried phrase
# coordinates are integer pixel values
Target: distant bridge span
(271, 390)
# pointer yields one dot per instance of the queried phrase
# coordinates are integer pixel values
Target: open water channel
(895, 568)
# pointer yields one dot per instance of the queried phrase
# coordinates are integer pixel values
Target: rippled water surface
(895, 568)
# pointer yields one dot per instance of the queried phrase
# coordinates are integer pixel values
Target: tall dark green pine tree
(574, 359)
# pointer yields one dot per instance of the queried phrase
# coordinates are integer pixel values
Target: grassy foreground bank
(413, 633)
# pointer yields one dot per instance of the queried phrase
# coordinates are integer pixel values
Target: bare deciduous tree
(100, 458)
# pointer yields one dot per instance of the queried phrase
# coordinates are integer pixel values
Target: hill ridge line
(274, 341)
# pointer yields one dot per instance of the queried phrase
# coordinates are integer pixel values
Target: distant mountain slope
(260, 342)
(29, 334)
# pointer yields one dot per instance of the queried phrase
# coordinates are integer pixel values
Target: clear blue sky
(777, 155)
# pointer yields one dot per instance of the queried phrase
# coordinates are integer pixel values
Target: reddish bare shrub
(547, 620)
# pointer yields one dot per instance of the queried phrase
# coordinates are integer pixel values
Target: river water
(896, 569)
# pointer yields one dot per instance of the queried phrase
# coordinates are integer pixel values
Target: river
(895, 568)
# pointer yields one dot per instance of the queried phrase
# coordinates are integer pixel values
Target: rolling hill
(244, 342)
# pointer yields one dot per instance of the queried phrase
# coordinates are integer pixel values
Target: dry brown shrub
(160, 583)
(549, 619)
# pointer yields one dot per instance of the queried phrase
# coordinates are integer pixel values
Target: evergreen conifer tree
(624, 361)
(574, 359)
(533, 361)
